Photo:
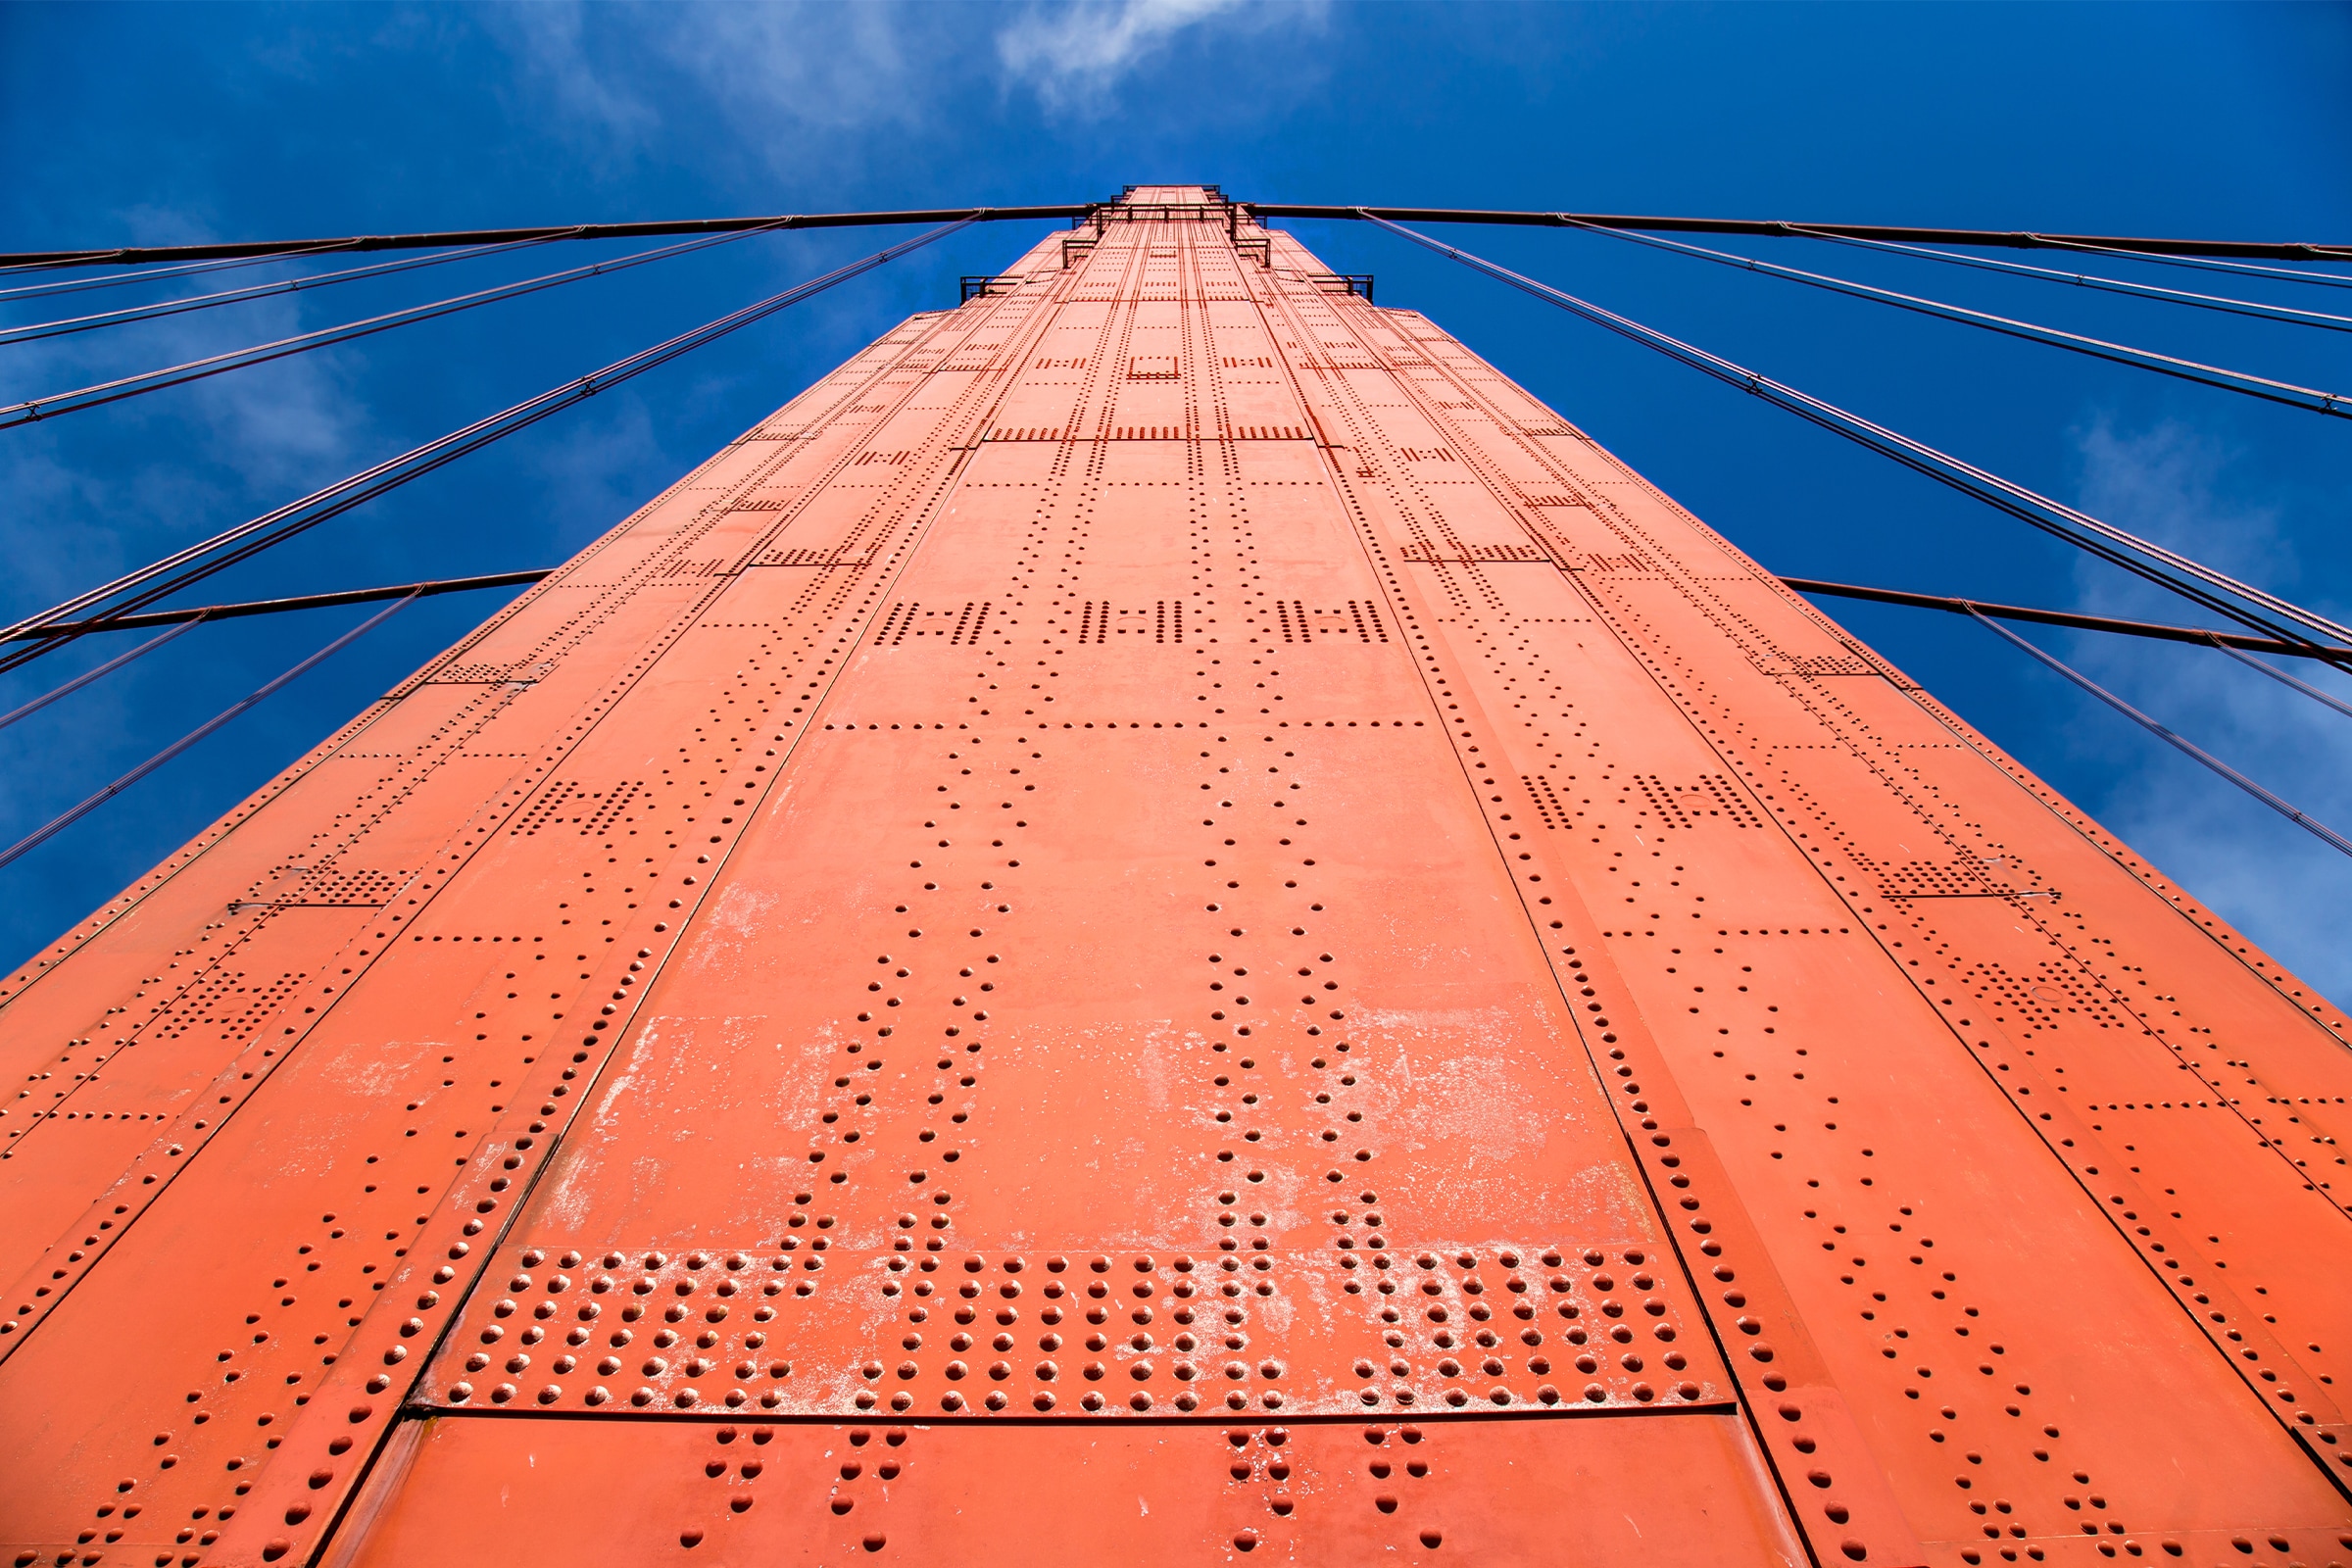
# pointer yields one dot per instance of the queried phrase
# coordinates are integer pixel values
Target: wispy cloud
(594, 108)
(832, 67)
(806, 85)
(796, 81)
(2167, 483)
(1070, 54)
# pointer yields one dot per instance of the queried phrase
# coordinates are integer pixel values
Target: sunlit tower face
(1164, 919)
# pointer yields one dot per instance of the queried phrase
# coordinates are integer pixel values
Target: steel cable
(278, 606)
(2341, 658)
(76, 285)
(2109, 285)
(105, 392)
(2110, 543)
(34, 331)
(2313, 825)
(175, 571)
(28, 709)
(443, 239)
(2286, 393)
(74, 814)
(2328, 699)
(2201, 264)
(2236, 647)
(1784, 228)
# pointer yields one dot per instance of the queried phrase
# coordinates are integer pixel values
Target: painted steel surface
(1163, 922)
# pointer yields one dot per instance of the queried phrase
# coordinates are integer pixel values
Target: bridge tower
(1164, 922)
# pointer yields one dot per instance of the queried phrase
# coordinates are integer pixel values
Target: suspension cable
(74, 814)
(28, 709)
(1775, 228)
(2077, 527)
(2257, 386)
(74, 285)
(2317, 829)
(2282, 676)
(2210, 265)
(2110, 286)
(129, 387)
(236, 296)
(2341, 657)
(2236, 647)
(184, 567)
(277, 607)
(151, 255)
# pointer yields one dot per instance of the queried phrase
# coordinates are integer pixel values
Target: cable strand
(2111, 286)
(2051, 516)
(2286, 393)
(2318, 829)
(37, 331)
(199, 560)
(74, 814)
(30, 708)
(82, 399)
(2326, 698)
(2211, 264)
(118, 280)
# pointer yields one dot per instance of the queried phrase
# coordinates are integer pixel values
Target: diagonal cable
(2341, 658)
(175, 571)
(28, 709)
(129, 387)
(2330, 699)
(37, 330)
(2124, 549)
(2106, 286)
(2204, 264)
(361, 596)
(76, 285)
(2317, 829)
(74, 814)
(2287, 393)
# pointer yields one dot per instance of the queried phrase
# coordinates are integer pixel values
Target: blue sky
(163, 123)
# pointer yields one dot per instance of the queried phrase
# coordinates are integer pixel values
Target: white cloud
(806, 86)
(2267, 875)
(155, 223)
(593, 107)
(2164, 483)
(1072, 54)
(832, 67)
(796, 81)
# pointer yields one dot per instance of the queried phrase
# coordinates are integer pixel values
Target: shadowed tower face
(1165, 921)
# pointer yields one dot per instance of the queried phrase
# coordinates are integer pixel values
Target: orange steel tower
(1165, 921)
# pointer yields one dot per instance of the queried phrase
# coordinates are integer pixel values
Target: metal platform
(1164, 922)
